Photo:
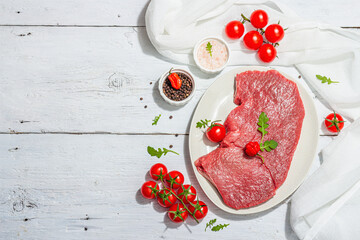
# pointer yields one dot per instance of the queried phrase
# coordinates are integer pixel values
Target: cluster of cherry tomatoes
(174, 194)
(254, 40)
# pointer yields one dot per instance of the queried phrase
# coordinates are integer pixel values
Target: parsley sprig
(210, 223)
(325, 79)
(219, 227)
(267, 145)
(158, 153)
(216, 228)
(205, 124)
(156, 119)
(209, 48)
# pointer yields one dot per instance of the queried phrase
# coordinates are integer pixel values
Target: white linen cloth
(327, 205)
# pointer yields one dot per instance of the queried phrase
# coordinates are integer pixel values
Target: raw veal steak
(241, 181)
(257, 92)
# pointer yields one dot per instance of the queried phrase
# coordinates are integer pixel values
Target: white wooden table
(74, 132)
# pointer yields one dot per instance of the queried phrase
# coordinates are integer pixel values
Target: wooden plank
(90, 80)
(68, 12)
(86, 186)
(131, 13)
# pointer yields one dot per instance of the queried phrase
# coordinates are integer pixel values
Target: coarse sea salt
(217, 59)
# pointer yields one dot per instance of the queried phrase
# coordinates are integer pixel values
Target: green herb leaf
(156, 119)
(158, 153)
(210, 224)
(263, 119)
(203, 123)
(209, 48)
(219, 227)
(325, 79)
(268, 145)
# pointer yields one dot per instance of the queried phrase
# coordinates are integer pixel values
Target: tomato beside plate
(334, 122)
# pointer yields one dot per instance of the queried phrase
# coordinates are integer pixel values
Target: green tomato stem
(245, 18)
(262, 158)
(170, 190)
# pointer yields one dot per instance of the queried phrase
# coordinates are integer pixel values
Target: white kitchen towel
(174, 27)
(326, 205)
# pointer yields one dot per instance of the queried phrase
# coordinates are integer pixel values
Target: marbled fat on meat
(256, 92)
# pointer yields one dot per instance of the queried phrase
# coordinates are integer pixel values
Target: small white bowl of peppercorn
(177, 87)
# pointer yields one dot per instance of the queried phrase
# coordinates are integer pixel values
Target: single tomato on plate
(216, 132)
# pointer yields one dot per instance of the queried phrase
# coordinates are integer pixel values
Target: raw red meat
(242, 181)
(257, 92)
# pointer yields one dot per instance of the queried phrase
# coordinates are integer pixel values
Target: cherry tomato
(267, 53)
(149, 189)
(252, 148)
(187, 193)
(253, 40)
(216, 133)
(334, 122)
(259, 18)
(177, 213)
(199, 209)
(274, 33)
(234, 29)
(165, 198)
(158, 171)
(174, 179)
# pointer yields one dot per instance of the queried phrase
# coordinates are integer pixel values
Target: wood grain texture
(86, 186)
(131, 13)
(71, 78)
(69, 12)
(90, 80)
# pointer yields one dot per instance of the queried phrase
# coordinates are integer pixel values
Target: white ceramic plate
(216, 103)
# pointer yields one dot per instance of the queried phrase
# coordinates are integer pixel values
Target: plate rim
(247, 211)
